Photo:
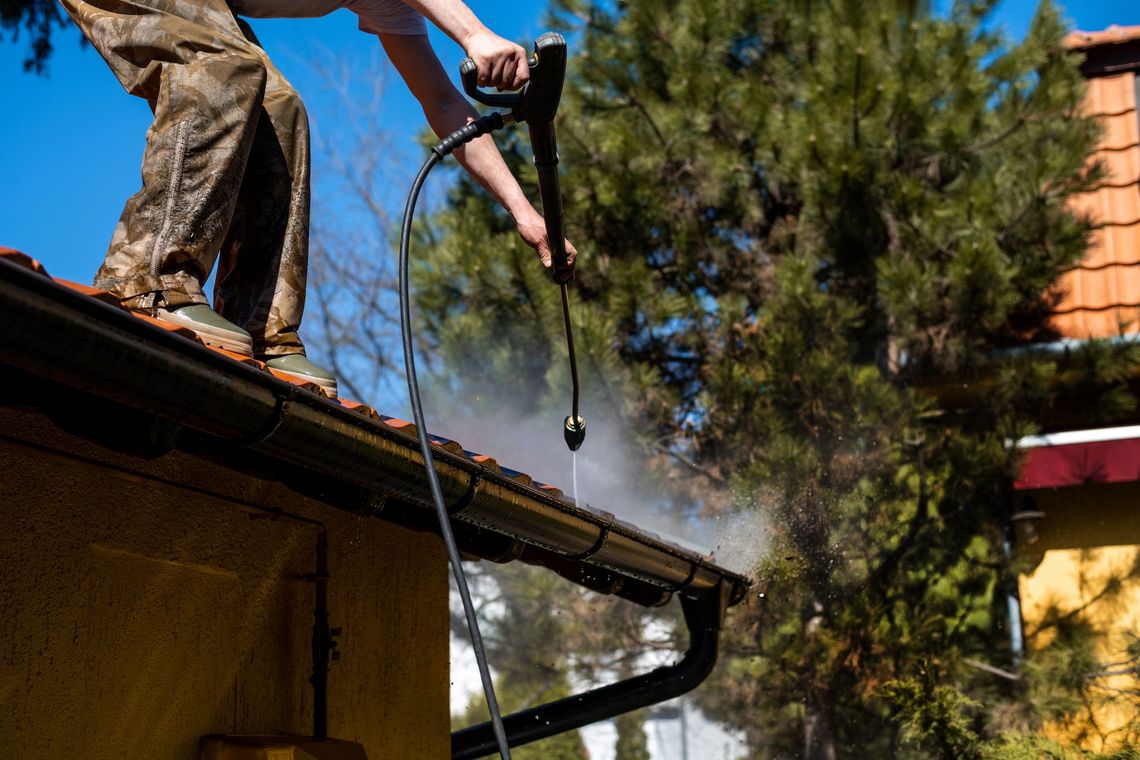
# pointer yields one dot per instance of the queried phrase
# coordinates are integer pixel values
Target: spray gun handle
(469, 76)
(537, 105)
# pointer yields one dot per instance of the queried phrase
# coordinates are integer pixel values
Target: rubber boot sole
(328, 386)
(210, 335)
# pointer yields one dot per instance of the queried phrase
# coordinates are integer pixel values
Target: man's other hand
(532, 229)
(500, 63)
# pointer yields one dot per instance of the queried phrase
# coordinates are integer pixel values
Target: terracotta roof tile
(241, 358)
(551, 489)
(519, 477)
(1108, 95)
(1121, 166)
(1101, 289)
(87, 290)
(1115, 244)
(1120, 129)
(1113, 35)
(1111, 205)
(446, 443)
(23, 259)
(294, 380)
(483, 459)
(1099, 297)
(361, 409)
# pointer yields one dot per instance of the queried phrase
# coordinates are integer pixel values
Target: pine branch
(992, 669)
(704, 472)
(918, 521)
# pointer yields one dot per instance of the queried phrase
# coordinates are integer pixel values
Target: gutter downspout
(703, 617)
(1009, 581)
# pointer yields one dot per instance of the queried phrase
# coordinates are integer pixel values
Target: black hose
(455, 139)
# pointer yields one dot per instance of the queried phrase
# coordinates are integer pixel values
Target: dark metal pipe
(322, 640)
(703, 618)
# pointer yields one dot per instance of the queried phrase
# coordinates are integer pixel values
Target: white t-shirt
(376, 16)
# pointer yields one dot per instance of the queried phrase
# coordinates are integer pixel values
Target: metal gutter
(956, 391)
(1064, 347)
(57, 333)
(1070, 437)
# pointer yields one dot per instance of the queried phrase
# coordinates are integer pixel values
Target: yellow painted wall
(1085, 545)
(135, 617)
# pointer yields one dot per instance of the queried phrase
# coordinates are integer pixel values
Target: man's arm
(447, 110)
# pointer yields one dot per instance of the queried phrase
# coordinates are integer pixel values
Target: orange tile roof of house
(1113, 35)
(1101, 296)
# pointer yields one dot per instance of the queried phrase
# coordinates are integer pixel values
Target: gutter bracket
(688, 580)
(280, 412)
(703, 618)
(597, 547)
(469, 496)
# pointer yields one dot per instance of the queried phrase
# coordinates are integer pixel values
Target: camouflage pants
(225, 170)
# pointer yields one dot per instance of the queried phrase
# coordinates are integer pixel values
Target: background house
(1077, 508)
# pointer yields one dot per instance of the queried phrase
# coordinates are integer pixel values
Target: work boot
(211, 328)
(299, 366)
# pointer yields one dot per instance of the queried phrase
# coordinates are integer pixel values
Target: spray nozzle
(574, 431)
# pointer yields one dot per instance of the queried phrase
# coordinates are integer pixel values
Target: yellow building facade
(141, 614)
(1083, 574)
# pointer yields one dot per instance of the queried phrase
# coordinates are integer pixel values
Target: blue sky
(70, 143)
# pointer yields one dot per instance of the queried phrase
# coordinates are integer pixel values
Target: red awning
(1075, 464)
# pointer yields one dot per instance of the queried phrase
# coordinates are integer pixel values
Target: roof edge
(1115, 50)
(78, 341)
(1113, 35)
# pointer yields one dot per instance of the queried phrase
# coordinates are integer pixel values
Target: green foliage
(528, 645)
(632, 742)
(1023, 747)
(797, 220)
(37, 18)
(937, 717)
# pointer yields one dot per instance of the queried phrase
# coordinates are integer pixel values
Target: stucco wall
(1085, 559)
(137, 617)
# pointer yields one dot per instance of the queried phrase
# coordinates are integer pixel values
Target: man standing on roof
(226, 165)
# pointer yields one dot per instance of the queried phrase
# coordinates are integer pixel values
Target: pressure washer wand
(540, 108)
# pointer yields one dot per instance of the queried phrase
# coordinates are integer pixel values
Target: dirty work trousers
(225, 170)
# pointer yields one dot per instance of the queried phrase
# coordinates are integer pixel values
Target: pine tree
(796, 221)
(632, 743)
(37, 18)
